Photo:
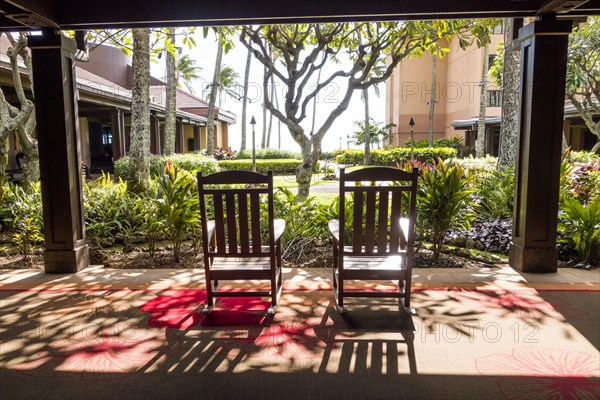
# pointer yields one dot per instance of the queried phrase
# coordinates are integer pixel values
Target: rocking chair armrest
(210, 228)
(279, 225)
(404, 226)
(334, 230)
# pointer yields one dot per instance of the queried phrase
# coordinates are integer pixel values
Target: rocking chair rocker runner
(231, 242)
(376, 241)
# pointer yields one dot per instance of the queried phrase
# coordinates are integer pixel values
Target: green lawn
(289, 181)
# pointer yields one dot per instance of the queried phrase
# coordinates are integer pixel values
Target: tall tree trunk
(433, 97)
(276, 98)
(171, 99)
(263, 141)
(140, 109)
(511, 75)
(367, 160)
(271, 114)
(245, 99)
(480, 143)
(210, 123)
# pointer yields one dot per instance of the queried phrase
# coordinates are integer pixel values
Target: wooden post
(155, 145)
(179, 137)
(542, 97)
(118, 134)
(196, 137)
(58, 140)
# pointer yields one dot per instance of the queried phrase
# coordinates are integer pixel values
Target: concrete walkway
(97, 277)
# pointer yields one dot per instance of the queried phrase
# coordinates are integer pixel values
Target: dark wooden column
(543, 73)
(155, 145)
(118, 133)
(58, 141)
(179, 137)
(196, 137)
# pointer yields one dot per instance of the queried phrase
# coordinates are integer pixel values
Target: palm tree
(480, 143)
(433, 96)
(378, 70)
(171, 102)
(245, 99)
(187, 72)
(212, 98)
(140, 110)
(227, 81)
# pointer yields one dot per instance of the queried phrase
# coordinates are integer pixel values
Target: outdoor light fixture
(253, 122)
(412, 141)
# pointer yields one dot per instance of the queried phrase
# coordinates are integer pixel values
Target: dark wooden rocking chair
(376, 242)
(231, 241)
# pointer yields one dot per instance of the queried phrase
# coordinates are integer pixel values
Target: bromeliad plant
(177, 205)
(442, 202)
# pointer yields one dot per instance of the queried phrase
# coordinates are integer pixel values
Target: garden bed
(316, 257)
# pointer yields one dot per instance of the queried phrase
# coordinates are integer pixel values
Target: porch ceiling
(74, 14)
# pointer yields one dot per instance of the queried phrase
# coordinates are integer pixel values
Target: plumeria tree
(305, 49)
(19, 119)
(583, 75)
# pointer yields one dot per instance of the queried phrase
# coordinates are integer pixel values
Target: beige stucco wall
(188, 133)
(458, 90)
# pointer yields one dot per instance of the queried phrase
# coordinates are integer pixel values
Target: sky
(204, 54)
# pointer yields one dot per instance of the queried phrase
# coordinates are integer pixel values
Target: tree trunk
(367, 160)
(433, 97)
(270, 114)
(480, 143)
(20, 121)
(245, 99)
(587, 109)
(140, 109)
(3, 163)
(171, 99)
(511, 75)
(210, 123)
(263, 141)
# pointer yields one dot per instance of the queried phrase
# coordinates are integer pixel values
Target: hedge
(190, 162)
(268, 154)
(396, 155)
(282, 166)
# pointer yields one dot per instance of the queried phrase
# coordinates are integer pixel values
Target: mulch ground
(318, 257)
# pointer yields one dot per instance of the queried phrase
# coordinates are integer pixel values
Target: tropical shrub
(110, 209)
(455, 142)
(279, 166)
(177, 205)
(476, 169)
(327, 155)
(27, 219)
(495, 195)
(579, 180)
(579, 227)
(397, 155)
(262, 154)
(191, 162)
(442, 202)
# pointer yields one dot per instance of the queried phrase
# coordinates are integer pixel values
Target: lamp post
(253, 122)
(348, 141)
(412, 141)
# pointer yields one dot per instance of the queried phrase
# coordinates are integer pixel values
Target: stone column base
(66, 261)
(532, 259)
